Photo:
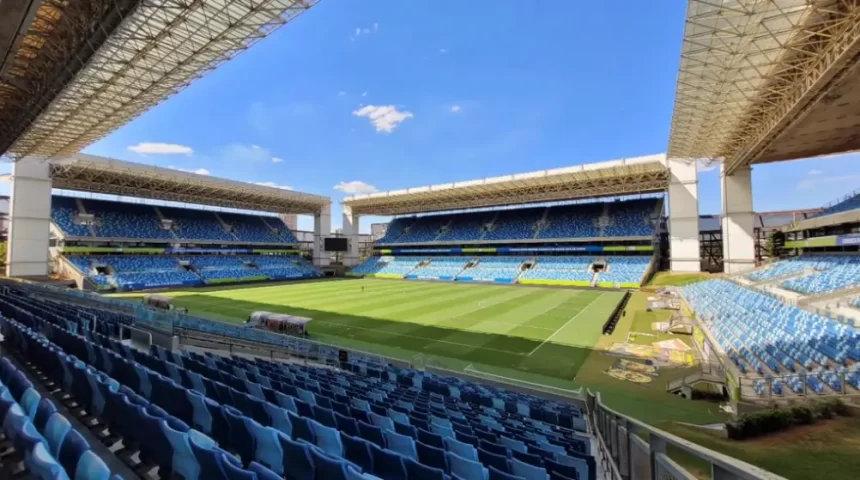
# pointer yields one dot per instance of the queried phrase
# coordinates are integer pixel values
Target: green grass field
(518, 332)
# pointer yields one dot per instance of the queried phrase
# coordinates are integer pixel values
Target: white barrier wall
(684, 252)
(350, 231)
(29, 219)
(738, 220)
(322, 229)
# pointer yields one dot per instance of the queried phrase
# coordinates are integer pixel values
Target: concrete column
(322, 229)
(350, 231)
(29, 219)
(684, 252)
(738, 220)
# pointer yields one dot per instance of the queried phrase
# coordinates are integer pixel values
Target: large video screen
(335, 244)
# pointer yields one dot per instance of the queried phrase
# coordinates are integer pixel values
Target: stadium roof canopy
(614, 178)
(767, 80)
(73, 71)
(89, 173)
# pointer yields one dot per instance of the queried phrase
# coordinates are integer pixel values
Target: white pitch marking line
(565, 325)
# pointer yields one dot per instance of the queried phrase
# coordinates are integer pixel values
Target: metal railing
(632, 450)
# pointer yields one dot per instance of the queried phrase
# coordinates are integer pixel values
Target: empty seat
(387, 464)
(400, 444)
(466, 469)
(91, 467)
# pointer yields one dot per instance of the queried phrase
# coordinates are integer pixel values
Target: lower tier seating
(209, 417)
(625, 270)
(765, 337)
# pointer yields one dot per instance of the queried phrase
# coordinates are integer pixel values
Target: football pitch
(519, 332)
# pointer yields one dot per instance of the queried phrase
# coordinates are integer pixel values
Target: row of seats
(355, 420)
(159, 271)
(795, 265)
(609, 219)
(41, 436)
(139, 221)
(845, 274)
(620, 269)
(762, 335)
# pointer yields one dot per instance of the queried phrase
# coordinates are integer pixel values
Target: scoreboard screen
(335, 244)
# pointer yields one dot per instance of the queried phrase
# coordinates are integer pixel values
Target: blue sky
(389, 94)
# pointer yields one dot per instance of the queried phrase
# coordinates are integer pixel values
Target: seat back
(91, 467)
(71, 449)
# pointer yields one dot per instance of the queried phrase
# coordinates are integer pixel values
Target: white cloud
(357, 31)
(354, 187)
(239, 153)
(814, 172)
(364, 93)
(443, 51)
(375, 26)
(277, 160)
(341, 93)
(273, 185)
(455, 108)
(199, 171)
(818, 181)
(385, 118)
(152, 148)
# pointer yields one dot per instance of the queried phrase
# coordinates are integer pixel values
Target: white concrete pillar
(29, 219)
(738, 220)
(684, 251)
(322, 229)
(350, 231)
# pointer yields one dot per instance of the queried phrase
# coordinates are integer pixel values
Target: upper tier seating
(395, 229)
(424, 229)
(126, 220)
(442, 267)
(467, 227)
(631, 218)
(63, 212)
(515, 224)
(573, 221)
(624, 219)
(573, 269)
(624, 270)
(256, 229)
(764, 335)
(845, 275)
(795, 265)
(139, 221)
(851, 203)
(308, 422)
(495, 268)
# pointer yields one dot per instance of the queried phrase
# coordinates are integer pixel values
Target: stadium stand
(850, 203)
(630, 218)
(64, 212)
(765, 336)
(516, 224)
(793, 266)
(400, 265)
(846, 274)
(624, 270)
(185, 411)
(574, 221)
(134, 272)
(569, 269)
(440, 268)
(139, 221)
(494, 269)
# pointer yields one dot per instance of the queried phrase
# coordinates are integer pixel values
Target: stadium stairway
(225, 225)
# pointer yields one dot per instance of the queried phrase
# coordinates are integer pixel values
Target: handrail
(637, 450)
